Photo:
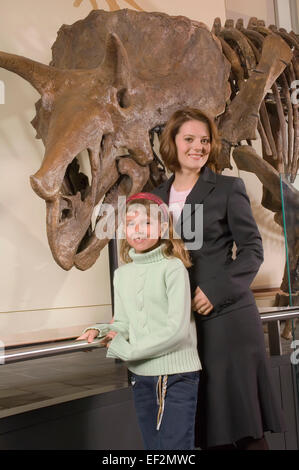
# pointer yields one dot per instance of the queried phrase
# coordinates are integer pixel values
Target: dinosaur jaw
(103, 227)
(77, 224)
(69, 212)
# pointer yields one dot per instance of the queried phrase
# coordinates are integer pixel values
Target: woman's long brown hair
(168, 149)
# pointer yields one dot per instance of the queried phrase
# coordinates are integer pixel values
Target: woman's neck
(184, 180)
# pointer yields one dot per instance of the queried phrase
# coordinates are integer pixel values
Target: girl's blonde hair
(173, 247)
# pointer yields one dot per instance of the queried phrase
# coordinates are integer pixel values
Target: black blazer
(227, 218)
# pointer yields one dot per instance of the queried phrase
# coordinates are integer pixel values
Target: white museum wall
(39, 300)
(262, 9)
(283, 12)
(199, 10)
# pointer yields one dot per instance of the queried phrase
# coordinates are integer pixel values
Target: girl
(153, 329)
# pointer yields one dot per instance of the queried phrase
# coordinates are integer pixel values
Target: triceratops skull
(113, 78)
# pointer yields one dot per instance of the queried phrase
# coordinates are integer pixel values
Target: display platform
(78, 400)
(82, 401)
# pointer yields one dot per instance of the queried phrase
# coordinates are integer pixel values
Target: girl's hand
(90, 335)
(108, 338)
(201, 303)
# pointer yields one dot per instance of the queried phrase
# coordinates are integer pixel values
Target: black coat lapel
(163, 190)
(203, 186)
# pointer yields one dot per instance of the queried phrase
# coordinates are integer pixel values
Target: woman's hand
(90, 335)
(201, 303)
(108, 338)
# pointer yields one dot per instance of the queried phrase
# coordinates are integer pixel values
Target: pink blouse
(176, 202)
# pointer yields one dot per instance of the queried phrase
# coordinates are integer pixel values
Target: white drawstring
(161, 393)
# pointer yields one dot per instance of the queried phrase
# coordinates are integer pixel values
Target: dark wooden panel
(107, 421)
(283, 377)
(276, 441)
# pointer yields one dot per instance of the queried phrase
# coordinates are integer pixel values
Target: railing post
(275, 348)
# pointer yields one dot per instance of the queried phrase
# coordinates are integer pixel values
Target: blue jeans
(176, 421)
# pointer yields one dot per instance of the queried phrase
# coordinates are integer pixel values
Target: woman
(237, 401)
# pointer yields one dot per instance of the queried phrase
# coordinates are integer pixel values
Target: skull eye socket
(123, 98)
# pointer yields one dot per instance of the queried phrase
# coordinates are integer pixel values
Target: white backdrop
(39, 300)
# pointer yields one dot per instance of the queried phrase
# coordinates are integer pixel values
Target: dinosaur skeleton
(278, 129)
(115, 79)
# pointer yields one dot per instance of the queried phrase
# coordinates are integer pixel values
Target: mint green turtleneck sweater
(152, 315)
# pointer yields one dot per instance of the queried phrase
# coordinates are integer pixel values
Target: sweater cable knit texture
(152, 315)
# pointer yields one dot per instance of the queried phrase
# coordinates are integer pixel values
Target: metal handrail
(273, 316)
(278, 313)
(52, 349)
(63, 347)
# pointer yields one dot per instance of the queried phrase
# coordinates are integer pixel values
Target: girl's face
(193, 145)
(142, 232)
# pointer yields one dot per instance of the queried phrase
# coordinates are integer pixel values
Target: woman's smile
(193, 145)
(195, 155)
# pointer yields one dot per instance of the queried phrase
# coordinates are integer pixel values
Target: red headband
(150, 197)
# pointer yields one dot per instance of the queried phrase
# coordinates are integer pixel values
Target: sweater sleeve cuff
(119, 348)
(103, 329)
